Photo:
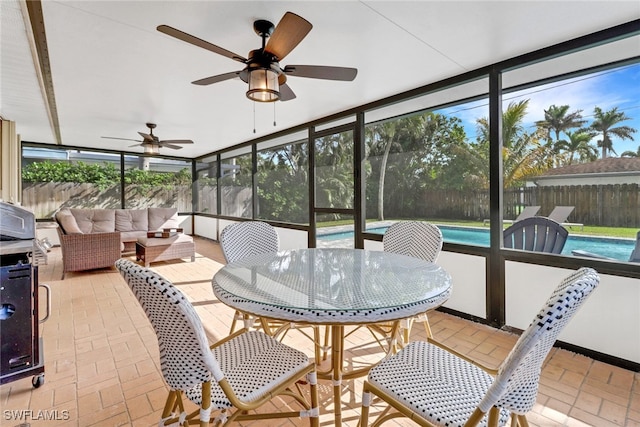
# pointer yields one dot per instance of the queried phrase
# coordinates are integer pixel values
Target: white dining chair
(248, 238)
(437, 386)
(244, 239)
(418, 239)
(243, 371)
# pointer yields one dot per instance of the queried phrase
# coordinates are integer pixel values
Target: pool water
(619, 249)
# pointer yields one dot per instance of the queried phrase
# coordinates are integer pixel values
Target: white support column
(10, 166)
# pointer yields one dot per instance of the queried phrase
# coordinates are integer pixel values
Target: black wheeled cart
(21, 352)
(21, 355)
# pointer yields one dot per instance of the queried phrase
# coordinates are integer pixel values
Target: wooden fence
(44, 199)
(603, 205)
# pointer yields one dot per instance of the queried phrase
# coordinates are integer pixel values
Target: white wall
(608, 322)
(292, 239)
(206, 227)
(468, 275)
(185, 223)
(212, 227)
(594, 179)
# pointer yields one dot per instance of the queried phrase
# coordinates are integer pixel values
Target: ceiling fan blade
(176, 141)
(286, 94)
(288, 33)
(216, 79)
(175, 147)
(136, 145)
(181, 35)
(121, 139)
(145, 136)
(321, 72)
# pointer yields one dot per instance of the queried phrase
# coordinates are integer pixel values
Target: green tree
(334, 170)
(605, 124)
(283, 183)
(412, 153)
(578, 145)
(557, 120)
(522, 153)
(630, 153)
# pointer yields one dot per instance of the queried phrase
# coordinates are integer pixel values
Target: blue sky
(606, 89)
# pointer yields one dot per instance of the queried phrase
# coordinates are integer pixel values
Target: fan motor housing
(258, 59)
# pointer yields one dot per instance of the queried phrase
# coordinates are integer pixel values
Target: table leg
(337, 336)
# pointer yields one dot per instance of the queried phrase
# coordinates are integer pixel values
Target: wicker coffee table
(153, 249)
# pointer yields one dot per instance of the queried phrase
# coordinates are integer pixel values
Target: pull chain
(274, 114)
(254, 117)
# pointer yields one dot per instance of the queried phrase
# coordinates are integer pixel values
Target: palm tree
(578, 143)
(522, 153)
(512, 126)
(394, 135)
(630, 153)
(389, 140)
(605, 122)
(557, 120)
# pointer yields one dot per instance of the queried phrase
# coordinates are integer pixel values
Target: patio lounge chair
(527, 212)
(560, 214)
(436, 386)
(537, 234)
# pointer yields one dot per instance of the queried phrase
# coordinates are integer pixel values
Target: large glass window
(207, 185)
(283, 182)
(235, 183)
(53, 178)
(157, 182)
(334, 170)
(424, 161)
(571, 148)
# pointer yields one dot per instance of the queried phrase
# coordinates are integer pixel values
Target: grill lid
(16, 223)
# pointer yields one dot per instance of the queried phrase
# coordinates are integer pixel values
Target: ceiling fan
(266, 78)
(152, 143)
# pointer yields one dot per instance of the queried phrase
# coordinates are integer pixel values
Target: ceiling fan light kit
(151, 144)
(263, 85)
(263, 78)
(152, 149)
(266, 79)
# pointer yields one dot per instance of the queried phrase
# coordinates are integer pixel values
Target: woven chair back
(248, 238)
(185, 358)
(413, 238)
(516, 386)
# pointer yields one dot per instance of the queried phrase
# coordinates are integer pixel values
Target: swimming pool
(619, 249)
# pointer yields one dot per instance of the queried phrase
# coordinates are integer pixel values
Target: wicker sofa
(96, 238)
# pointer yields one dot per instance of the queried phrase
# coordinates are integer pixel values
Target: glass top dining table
(334, 287)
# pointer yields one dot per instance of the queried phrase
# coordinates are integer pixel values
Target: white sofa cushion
(132, 220)
(160, 218)
(68, 222)
(158, 241)
(95, 220)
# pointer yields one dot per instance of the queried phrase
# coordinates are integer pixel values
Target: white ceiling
(113, 71)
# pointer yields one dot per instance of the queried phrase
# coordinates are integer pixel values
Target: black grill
(20, 344)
